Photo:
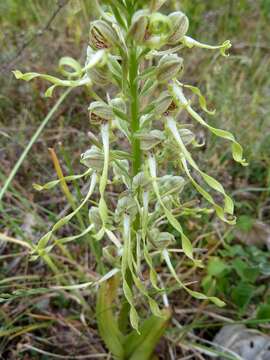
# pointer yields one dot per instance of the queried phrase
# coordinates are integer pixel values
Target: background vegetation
(36, 320)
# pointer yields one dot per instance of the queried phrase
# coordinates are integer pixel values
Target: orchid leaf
(141, 347)
(107, 323)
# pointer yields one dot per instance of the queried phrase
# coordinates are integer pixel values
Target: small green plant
(234, 274)
(142, 149)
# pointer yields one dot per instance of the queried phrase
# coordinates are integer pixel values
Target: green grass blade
(31, 142)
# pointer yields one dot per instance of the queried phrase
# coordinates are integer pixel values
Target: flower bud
(170, 184)
(119, 104)
(168, 67)
(100, 76)
(150, 139)
(171, 109)
(139, 26)
(94, 218)
(163, 103)
(100, 111)
(93, 158)
(161, 240)
(180, 25)
(141, 181)
(187, 136)
(120, 169)
(102, 35)
(126, 205)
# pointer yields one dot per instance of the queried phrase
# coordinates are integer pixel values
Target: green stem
(132, 67)
(134, 109)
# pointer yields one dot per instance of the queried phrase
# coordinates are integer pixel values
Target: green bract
(141, 136)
